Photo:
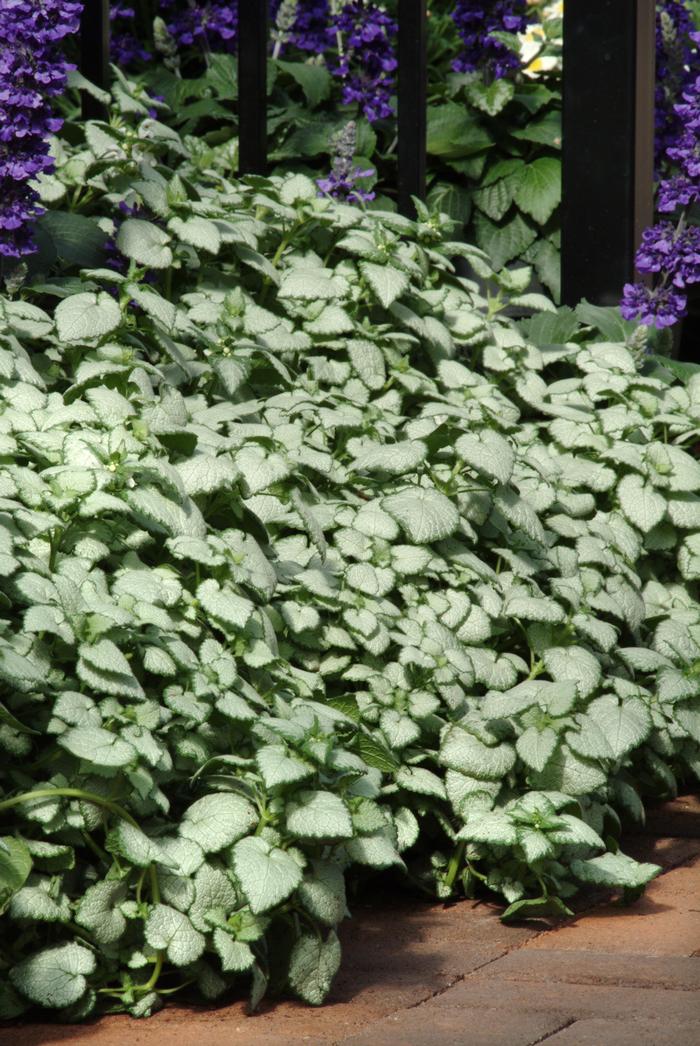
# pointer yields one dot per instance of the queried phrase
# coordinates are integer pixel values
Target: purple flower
(211, 24)
(481, 50)
(677, 191)
(32, 71)
(310, 30)
(658, 307)
(340, 183)
(125, 48)
(366, 60)
(675, 58)
(671, 252)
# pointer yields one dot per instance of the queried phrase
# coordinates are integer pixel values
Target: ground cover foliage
(314, 560)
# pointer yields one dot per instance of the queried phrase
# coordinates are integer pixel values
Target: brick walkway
(427, 975)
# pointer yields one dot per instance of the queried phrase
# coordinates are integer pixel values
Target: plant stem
(455, 862)
(69, 793)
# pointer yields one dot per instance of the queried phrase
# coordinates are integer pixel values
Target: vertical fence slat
(252, 86)
(412, 102)
(94, 54)
(609, 69)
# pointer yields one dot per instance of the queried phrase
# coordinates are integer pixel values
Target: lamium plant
(317, 559)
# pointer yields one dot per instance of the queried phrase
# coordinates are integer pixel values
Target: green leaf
(171, 931)
(332, 319)
(452, 132)
(319, 815)
(198, 232)
(84, 317)
(373, 522)
(224, 604)
(575, 664)
(131, 842)
(322, 892)
(368, 362)
(98, 911)
(409, 559)
(495, 199)
(386, 282)
(407, 828)
(615, 870)
(539, 188)
(625, 723)
(267, 874)
(396, 458)
(97, 745)
(490, 98)
(70, 238)
(214, 896)
(54, 977)
(164, 516)
(488, 452)
(535, 908)
(280, 768)
(419, 780)
(536, 747)
(503, 242)
(153, 304)
(36, 904)
(545, 131)
(145, 243)
(377, 850)
(260, 470)
(572, 831)
(105, 656)
(589, 739)
(314, 80)
(373, 581)
(312, 966)
(495, 828)
(569, 773)
(641, 504)
(673, 467)
(216, 821)
(424, 514)
(15, 866)
(236, 956)
(547, 262)
(463, 751)
(375, 754)
(312, 285)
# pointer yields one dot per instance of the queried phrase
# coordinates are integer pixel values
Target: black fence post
(252, 86)
(412, 102)
(608, 142)
(94, 54)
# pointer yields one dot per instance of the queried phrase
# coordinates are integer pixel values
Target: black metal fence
(608, 129)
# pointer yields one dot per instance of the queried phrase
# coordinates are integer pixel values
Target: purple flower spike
(481, 50)
(125, 48)
(32, 71)
(367, 61)
(671, 250)
(661, 307)
(340, 183)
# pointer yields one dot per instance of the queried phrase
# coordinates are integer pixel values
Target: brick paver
(631, 971)
(659, 1032)
(455, 1026)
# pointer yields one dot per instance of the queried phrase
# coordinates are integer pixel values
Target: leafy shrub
(313, 557)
